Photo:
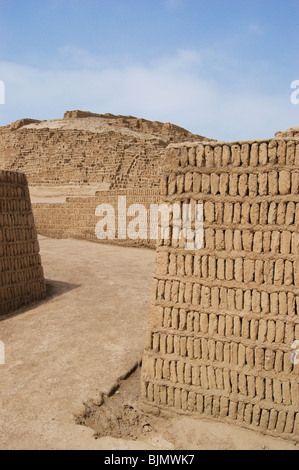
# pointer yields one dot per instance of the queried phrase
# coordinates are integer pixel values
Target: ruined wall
(120, 151)
(224, 318)
(293, 132)
(64, 157)
(82, 154)
(76, 218)
(21, 273)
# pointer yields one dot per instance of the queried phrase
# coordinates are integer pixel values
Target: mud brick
(272, 152)
(220, 379)
(272, 213)
(215, 183)
(290, 214)
(253, 185)
(247, 240)
(236, 155)
(200, 159)
(196, 183)
(218, 156)
(226, 157)
(237, 240)
(242, 308)
(180, 181)
(263, 184)
(245, 154)
(192, 156)
(228, 240)
(224, 184)
(284, 182)
(254, 155)
(206, 184)
(273, 183)
(188, 182)
(233, 184)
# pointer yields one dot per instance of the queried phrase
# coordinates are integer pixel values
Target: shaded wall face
(223, 328)
(21, 273)
(76, 218)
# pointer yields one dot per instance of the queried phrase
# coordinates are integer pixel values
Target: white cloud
(172, 89)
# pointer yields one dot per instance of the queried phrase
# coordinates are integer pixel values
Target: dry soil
(68, 380)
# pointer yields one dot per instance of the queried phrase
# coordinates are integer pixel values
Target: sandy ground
(75, 347)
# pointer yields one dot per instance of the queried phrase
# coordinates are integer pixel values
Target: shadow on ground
(54, 289)
(57, 288)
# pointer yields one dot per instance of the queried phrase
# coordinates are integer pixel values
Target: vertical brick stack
(21, 273)
(224, 318)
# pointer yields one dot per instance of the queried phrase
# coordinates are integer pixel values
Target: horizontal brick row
(272, 184)
(251, 213)
(17, 249)
(230, 353)
(22, 274)
(238, 154)
(17, 234)
(282, 330)
(195, 295)
(256, 416)
(277, 272)
(213, 378)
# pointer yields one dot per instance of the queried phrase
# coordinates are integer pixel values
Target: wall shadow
(58, 288)
(53, 289)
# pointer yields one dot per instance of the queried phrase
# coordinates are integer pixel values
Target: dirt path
(76, 346)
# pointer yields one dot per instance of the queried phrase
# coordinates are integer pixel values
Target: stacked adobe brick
(121, 152)
(224, 318)
(76, 218)
(21, 274)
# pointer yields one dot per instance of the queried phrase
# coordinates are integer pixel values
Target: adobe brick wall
(122, 152)
(21, 274)
(76, 217)
(223, 318)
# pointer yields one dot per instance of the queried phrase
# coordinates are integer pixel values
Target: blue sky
(221, 68)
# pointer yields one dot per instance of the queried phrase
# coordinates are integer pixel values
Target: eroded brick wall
(224, 318)
(21, 273)
(124, 153)
(76, 218)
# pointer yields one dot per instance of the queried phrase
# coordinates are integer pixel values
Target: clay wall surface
(224, 318)
(293, 132)
(21, 274)
(82, 154)
(76, 218)
(121, 152)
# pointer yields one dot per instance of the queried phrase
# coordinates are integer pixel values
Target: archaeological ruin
(224, 318)
(21, 274)
(76, 163)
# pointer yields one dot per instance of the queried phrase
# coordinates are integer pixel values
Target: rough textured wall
(224, 318)
(76, 217)
(293, 132)
(121, 152)
(21, 273)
